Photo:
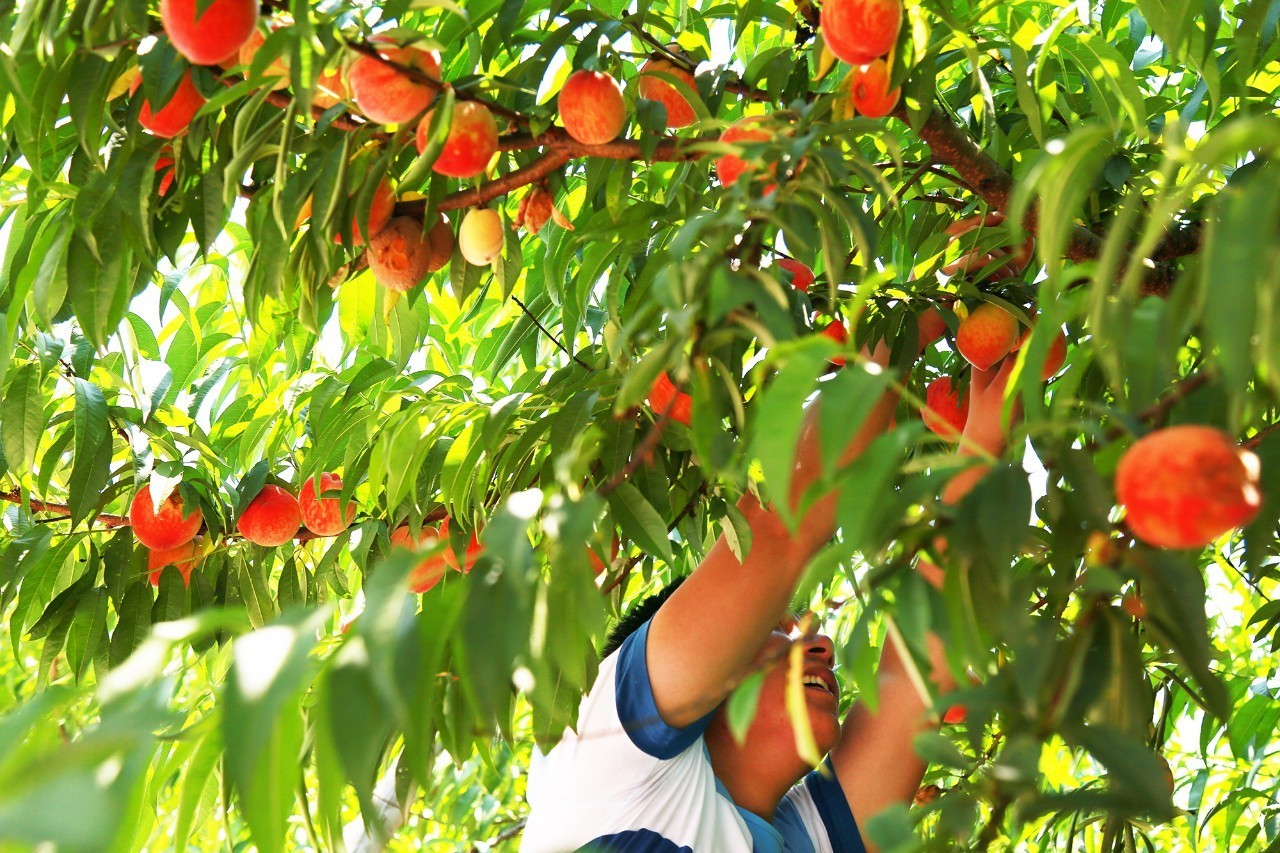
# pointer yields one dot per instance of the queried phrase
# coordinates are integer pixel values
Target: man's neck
(740, 773)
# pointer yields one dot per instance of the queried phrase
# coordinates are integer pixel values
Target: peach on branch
(480, 237)
(1184, 486)
(277, 71)
(975, 259)
(387, 95)
(324, 516)
(869, 89)
(381, 207)
(838, 332)
(598, 565)
(214, 34)
(801, 275)
(945, 413)
(730, 167)
(272, 518)
(930, 326)
(184, 557)
(652, 87)
(859, 31)
(471, 144)
(987, 335)
(331, 89)
(473, 550)
(592, 107)
(164, 168)
(162, 527)
(430, 570)
(400, 255)
(665, 398)
(175, 116)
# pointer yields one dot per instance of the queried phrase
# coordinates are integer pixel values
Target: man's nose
(820, 646)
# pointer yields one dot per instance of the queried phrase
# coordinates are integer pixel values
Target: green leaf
(640, 522)
(22, 417)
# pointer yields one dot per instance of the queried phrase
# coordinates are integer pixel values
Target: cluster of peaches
(272, 518)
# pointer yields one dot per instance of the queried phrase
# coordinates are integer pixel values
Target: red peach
(272, 518)
(387, 95)
(400, 255)
(185, 557)
(930, 326)
(870, 90)
(164, 168)
(471, 144)
(330, 90)
(945, 412)
(222, 27)
(1184, 486)
(598, 565)
(165, 528)
(175, 116)
(592, 107)
(730, 167)
(859, 31)
(987, 335)
(1056, 357)
(430, 570)
(474, 549)
(654, 88)
(323, 516)
(665, 398)
(381, 207)
(801, 275)
(955, 714)
(837, 331)
(277, 71)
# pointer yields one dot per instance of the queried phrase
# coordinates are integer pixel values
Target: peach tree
(360, 363)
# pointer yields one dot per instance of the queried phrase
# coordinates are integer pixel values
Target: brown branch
(506, 835)
(15, 496)
(952, 146)
(1180, 243)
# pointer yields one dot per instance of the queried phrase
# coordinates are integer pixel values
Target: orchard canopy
(200, 294)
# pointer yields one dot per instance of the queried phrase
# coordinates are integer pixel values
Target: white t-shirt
(626, 781)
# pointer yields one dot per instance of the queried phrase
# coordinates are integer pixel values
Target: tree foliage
(196, 326)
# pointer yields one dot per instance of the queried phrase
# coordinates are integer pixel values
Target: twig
(15, 496)
(550, 336)
(506, 835)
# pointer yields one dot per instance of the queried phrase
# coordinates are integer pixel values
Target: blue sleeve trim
(637, 710)
(833, 808)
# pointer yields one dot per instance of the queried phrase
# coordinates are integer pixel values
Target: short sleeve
(818, 808)
(637, 710)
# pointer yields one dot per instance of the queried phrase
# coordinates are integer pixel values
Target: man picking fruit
(653, 765)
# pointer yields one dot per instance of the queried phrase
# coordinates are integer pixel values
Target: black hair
(637, 616)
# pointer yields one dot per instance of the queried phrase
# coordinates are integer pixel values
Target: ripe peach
(184, 557)
(665, 398)
(323, 516)
(430, 570)
(975, 260)
(471, 144)
(945, 412)
(381, 207)
(330, 90)
(1184, 486)
(654, 88)
(175, 116)
(598, 565)
(474, 549)
(1056, 357)
(955, 715)
(272, 518)
(730, 167)
(801, 275)
(400, 255)
(389, 96)
(986, 335)
(930, 326)
(480, 237)
(165, 528)
(164, 168)
(222, 27)
(859, 31)
(1134, 606)
(927, 794)
(277, 71)
(870, 90)
(837, 331)
(592, 107)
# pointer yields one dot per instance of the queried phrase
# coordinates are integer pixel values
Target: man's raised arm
(705, 636)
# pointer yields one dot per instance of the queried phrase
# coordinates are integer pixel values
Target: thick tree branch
(952, 146)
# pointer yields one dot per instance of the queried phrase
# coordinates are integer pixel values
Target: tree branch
(952, 146)
(550, 336)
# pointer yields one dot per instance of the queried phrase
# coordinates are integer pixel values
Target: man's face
(771, 734)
